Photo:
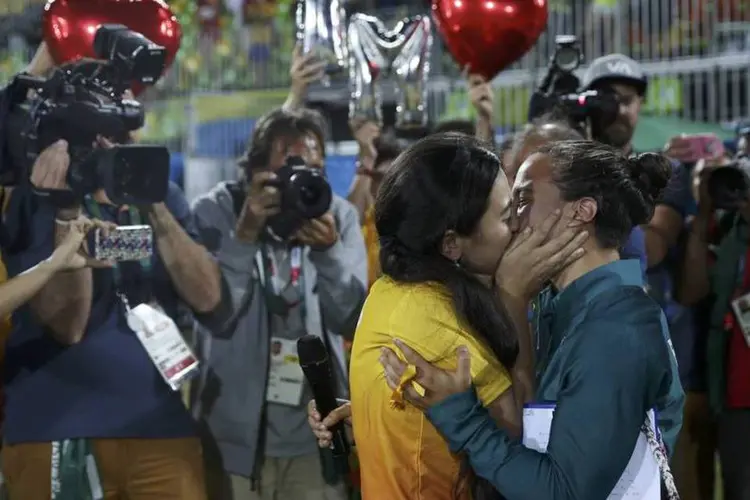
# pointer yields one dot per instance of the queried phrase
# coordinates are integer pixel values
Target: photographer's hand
(42, 61)
(319, 233)
(483, 100)
(50, 170)
(262, 201)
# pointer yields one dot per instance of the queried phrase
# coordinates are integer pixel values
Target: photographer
(252, 394)
(76, 373)
(618, 75)
(716, 278)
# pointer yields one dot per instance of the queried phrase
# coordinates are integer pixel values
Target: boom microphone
(313, 358)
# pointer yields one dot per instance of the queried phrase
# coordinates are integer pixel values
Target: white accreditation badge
(164, 343)
(285, 377)
(741, 308)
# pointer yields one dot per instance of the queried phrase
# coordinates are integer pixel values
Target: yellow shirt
(372, 245)
(401, 454)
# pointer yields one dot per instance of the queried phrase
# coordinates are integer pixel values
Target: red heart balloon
(489, 35)
(70, 25)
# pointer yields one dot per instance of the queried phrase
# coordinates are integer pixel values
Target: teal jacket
(604, 360)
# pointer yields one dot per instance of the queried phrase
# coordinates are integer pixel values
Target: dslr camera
(305, 194)
(559, 93)
(81, 101)
(729, 185)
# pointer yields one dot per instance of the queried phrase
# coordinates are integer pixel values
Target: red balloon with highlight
(489, 35)
(69, 26)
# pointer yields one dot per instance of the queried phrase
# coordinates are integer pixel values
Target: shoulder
(414, 311)
(625, 327)
(214, 204)
(344, 211)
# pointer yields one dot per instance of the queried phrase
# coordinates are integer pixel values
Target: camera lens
(567, 58)
(308, 195)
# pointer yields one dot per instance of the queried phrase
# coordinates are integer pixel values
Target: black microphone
(313, 358)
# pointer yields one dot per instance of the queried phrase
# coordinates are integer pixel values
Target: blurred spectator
(209, 17)
(715, 276)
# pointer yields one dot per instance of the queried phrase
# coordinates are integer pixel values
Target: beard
(617, 134)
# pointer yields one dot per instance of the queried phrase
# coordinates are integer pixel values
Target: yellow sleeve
(432, 329)
(490, 378)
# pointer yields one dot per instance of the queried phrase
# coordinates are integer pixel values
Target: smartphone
(704, 146)
(126, 243)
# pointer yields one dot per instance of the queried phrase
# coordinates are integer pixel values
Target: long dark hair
(441, 183)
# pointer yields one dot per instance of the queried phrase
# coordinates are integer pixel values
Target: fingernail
(398, 342)
(584, 234)
(579, 252)
(527, 230)
(557, 212)
(463, 350)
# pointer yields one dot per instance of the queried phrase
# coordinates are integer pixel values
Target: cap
(615, 67)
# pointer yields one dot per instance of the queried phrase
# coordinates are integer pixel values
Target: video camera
(80, 102)
(729, 185)
(559, 93)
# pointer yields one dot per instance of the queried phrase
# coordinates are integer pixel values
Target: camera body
(729, 185)
(560, 94)
(305, 194)
(82, 101)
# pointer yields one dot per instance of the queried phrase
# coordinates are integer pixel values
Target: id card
(741, 307)
(285, 377)
(164, 344)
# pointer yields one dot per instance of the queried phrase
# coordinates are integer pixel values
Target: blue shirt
(678, 196)
(105, 386)
(603, 359)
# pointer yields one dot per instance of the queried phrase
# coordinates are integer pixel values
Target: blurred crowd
(238, 41)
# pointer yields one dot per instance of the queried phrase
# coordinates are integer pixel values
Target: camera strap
(94, 209)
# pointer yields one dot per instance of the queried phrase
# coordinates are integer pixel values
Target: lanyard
(135, 219)
(273, 285)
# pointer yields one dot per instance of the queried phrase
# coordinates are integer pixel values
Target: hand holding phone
(125, 243)
(691, 148)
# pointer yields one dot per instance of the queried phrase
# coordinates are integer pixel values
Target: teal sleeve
(599, 413)
(669, 416)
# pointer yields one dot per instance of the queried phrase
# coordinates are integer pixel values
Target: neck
(592, 259)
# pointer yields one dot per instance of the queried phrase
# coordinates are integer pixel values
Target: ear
(585, 211)
(450, 247)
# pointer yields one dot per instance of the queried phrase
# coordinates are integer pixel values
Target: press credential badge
(164, 343)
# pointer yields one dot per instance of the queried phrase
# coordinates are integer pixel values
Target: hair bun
(650, 173)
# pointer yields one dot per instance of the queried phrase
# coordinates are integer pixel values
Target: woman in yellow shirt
(444, 219)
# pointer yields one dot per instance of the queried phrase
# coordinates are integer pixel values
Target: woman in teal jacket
(602, 350)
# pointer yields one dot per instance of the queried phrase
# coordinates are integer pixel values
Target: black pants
(734, 452)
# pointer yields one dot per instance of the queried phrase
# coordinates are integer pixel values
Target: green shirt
(604, 360)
